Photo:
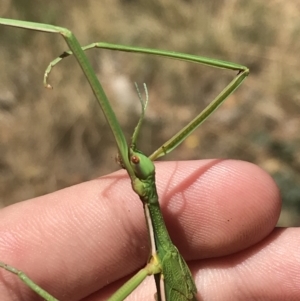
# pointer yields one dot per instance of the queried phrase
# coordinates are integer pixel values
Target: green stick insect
(173, 278)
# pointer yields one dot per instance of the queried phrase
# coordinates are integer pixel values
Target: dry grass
(53, 139)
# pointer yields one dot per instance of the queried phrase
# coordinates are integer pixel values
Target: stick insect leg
(41, 292)
(178, 138)
(152, 268)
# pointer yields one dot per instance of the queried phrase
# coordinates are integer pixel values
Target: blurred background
(50, 139)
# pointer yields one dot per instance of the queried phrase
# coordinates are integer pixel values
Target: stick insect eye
(135, 159)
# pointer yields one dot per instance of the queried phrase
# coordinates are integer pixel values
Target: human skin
(83, 242)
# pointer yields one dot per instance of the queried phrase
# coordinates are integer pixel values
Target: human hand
(83, 242)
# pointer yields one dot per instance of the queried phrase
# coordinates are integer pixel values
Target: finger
(93, 233)
(219, 207)
(268, 271)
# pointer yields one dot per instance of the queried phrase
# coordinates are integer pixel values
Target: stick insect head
(142, 166)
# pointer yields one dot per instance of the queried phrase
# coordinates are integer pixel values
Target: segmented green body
(175, 280)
